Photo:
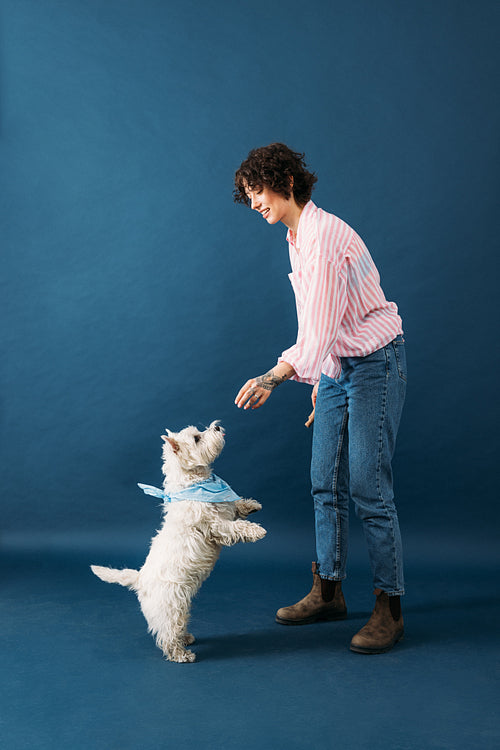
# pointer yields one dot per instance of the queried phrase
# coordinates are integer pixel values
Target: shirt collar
(296, 240)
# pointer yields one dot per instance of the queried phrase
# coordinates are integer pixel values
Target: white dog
(201, 514)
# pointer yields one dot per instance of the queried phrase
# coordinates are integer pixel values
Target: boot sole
(313, 618)
(361, 650)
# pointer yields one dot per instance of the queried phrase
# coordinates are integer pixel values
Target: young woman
(350, 348)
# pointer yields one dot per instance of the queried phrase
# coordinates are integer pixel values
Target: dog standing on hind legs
(201, 515)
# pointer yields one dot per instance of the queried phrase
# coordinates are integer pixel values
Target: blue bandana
(211, 490)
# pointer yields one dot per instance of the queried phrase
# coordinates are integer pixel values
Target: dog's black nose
(217, 427)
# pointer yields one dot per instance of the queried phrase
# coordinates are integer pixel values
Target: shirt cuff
(298, 377)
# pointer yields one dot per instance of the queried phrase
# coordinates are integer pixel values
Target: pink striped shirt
(341, 308)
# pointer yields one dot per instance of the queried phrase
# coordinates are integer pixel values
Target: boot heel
(384, 628)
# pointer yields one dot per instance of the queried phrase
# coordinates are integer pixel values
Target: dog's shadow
(274, 640)
(433, 622)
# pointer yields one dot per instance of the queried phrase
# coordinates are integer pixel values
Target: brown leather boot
(325, 601)
(384, 628)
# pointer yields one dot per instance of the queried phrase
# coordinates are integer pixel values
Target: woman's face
(273, 207)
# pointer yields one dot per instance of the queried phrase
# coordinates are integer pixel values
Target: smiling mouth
(265, 213)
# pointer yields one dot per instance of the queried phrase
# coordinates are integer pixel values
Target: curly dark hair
(272, 167)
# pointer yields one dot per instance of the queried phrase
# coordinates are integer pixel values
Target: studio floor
(80, 671)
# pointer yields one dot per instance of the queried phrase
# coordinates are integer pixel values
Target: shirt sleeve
(321, 313)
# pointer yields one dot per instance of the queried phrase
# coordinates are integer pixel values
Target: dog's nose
(217, 427)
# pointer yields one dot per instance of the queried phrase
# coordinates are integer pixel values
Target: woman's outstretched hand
(257, 390)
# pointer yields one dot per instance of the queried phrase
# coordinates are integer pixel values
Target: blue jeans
(355, 427)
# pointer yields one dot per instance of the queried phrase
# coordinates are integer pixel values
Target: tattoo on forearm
(270, 381)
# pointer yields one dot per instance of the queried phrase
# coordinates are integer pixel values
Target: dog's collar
(211, 490)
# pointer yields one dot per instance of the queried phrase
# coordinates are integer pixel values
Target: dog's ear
(173, 443)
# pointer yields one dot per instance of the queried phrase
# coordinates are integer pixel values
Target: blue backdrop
(136, 296)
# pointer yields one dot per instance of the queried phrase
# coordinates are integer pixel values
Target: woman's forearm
(277, 375)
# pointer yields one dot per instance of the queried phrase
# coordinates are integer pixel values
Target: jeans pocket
(400, 354)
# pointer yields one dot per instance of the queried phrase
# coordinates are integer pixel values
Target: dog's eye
(196, 438)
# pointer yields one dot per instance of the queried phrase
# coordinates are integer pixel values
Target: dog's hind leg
(168, 623)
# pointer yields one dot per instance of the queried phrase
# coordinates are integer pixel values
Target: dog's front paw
(189, 639)
(245, 507)
(256, 532)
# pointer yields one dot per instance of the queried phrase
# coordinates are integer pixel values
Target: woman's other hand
(314, 395)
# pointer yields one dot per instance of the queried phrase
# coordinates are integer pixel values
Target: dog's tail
(125, 577)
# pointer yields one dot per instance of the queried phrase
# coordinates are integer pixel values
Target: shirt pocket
(296, 282)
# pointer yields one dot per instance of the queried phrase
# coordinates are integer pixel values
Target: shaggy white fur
(186, 548)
